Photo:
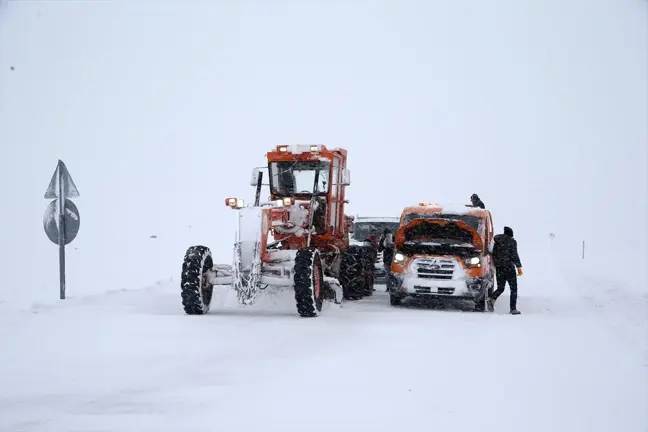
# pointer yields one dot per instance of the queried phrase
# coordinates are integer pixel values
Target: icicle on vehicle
(299, 240)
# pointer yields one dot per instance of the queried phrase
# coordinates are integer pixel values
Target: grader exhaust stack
(298, 240)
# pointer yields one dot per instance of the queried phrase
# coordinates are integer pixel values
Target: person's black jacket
(505, 253)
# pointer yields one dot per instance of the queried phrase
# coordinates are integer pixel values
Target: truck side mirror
(261, 171)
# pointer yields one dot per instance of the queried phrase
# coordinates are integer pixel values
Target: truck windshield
(473, 221)
(361, 230)
(297, 178)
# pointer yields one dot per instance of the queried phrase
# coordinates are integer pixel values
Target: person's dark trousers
(388, 256)
(503, 276)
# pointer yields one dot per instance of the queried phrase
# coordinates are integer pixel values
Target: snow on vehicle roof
(297, 149)
(450, 208)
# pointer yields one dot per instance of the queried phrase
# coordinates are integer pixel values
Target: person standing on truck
(476, 201)
(507, 260)
(387, 247)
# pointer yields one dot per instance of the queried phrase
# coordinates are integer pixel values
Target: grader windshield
(292, 178)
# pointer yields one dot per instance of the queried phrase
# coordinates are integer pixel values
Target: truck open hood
(427, 230)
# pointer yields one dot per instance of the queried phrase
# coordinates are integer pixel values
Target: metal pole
(312, 206)
(257, 199)
(583, 254)
(61, 232)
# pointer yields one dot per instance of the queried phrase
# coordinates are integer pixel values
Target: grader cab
(296, 240)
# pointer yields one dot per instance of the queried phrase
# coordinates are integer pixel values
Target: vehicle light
(399, 258)
(234, 202)
(283, 149)
(288, 201)
(473, 262)
(314, 148)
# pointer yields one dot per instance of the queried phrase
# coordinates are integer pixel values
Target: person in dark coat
(373, 239)
(476, 202)
(507, 261)
(386, 246)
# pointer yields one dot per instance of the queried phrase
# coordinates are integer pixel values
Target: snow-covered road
(132, 361)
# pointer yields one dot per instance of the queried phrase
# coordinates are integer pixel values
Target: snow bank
(609, 285)
(608, 261)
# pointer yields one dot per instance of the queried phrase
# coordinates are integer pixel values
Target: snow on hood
(432, 243)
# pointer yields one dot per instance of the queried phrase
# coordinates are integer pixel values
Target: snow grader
(297, 240)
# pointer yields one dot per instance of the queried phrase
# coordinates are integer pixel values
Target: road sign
(71, 223)
(61, 179)
(61, 220)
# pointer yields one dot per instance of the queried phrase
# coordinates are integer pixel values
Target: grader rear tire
(309, 282)
(351, 273)
(196, 289)
(369, 256)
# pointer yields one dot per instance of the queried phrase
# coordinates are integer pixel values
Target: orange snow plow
(298, 240)
(443, 252)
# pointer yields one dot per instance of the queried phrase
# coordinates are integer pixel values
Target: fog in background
(161, 110)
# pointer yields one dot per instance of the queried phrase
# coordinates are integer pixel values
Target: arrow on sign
(69, 188)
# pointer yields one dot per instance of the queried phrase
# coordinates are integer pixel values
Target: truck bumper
(409, 285)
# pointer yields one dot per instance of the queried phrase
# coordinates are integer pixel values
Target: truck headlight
(399, 258)
(473, 262)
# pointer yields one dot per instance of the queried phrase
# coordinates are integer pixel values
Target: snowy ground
(132, 361)
(161, 111)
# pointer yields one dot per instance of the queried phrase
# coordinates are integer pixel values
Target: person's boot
(515, 312)
(490, 304)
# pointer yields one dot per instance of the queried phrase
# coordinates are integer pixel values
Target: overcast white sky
(161, 110)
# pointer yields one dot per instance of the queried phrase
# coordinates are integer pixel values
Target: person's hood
(508, 231)
(401, 233)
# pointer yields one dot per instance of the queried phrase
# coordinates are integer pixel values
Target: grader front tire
(196, 289)
(309, 282)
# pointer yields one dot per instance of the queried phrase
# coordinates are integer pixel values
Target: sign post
(61, 221)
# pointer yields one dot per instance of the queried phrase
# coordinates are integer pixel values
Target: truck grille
(439, 290)
(439, 269)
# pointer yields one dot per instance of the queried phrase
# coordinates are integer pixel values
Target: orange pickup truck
(442, 252)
